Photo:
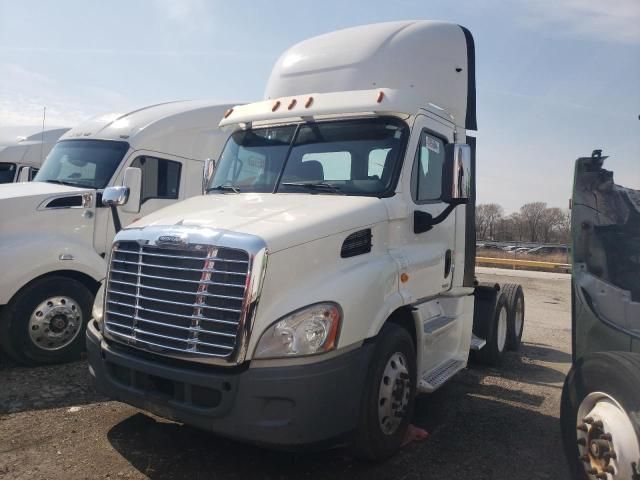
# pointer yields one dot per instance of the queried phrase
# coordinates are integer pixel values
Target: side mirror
(115, 196)
(24, 175)
(456, 174)
(207, 172)
(133, 182)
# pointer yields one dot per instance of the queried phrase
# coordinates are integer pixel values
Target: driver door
(163, 183)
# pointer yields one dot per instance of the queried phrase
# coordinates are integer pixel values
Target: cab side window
(426, 177)
(160, 177)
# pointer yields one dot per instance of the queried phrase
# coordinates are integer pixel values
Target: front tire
(599, 417)
(45, 322)
(388, 397)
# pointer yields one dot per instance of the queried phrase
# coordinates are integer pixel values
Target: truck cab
(20, 161)
(56, 231)
(328, 274)
(601, 394)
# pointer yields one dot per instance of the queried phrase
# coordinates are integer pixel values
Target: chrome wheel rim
(393, 394)
(55, 323)
(502, 329)
(608, 446)
(519, 317)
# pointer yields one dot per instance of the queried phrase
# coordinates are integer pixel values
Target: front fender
(365, 286)
(23, 261)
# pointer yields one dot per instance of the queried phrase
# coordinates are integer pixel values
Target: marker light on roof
(275, 106)
(309, 102)
(228, 112)
(380, 97)
(292, 104)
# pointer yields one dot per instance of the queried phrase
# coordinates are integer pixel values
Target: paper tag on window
(432, 144)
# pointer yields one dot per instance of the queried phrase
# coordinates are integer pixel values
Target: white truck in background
(20, 161)
(55, 231)
(328, 275)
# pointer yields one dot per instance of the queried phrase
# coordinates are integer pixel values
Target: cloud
(20, 109)
(614, 20)
(189, 15)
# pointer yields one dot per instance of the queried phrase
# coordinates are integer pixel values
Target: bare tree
(488, 216)
(549, 224)
(532, 216)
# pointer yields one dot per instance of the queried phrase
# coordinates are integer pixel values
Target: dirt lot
(485, 424)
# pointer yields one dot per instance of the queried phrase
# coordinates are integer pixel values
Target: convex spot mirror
(115, 196)
(456, 174)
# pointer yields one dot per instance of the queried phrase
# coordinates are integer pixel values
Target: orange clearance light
(404, 278)
(380, 97)
(292, 104)
(275, 106)
(309, 102)
(228, 112)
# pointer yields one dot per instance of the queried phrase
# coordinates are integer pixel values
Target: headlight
(313, 329)
(98, 306)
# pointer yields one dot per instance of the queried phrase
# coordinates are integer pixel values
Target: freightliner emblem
(179, 239)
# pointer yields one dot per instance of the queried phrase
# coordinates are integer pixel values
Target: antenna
(44, 115)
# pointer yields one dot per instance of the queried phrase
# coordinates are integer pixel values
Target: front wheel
(45, 322)
(599, 417)
(388, 396)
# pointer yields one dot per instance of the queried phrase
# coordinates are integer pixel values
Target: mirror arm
(423, 222)
(116, 218)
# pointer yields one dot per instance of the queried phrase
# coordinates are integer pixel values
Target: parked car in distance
(549, 250)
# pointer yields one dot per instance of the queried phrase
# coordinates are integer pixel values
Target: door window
(160, 177)
(426, 178)
(7, 172)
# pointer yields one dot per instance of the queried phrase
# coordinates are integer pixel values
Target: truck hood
(37, 189)
(282, 220)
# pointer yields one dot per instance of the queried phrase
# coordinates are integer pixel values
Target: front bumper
(273, 406)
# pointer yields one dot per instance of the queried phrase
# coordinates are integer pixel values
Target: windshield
(82, 163)
(7, 172)
(351, 157)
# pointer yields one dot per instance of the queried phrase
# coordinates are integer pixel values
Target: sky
(555, 78)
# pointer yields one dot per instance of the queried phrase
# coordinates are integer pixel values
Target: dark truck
(600, 410)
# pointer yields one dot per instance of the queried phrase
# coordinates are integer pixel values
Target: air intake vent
(66, 202)
(357, 243)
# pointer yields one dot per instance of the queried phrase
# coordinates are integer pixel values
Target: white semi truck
(55, 231)
(20, 161)
(328, 275)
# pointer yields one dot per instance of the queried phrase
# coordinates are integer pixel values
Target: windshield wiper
(327, 187)
(227, 187)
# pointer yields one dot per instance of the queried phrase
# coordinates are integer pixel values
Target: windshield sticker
(256, 162)
(432, 144)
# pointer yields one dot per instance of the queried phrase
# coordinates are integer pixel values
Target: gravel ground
(484, 424)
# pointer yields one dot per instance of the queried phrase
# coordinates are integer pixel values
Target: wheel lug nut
(597, 424)
(592, 471)
(609, 469)
(588, 420)
(606, 436)
(601, 476)
(585, 459)
(582, 427)
(582, 442)
(610, 455)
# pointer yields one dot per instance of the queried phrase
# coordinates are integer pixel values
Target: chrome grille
(177, 299)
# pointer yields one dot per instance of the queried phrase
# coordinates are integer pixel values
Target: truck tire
(388, 396)
(515, 308)
(45, 322)
(599, 414)
(493, 327)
